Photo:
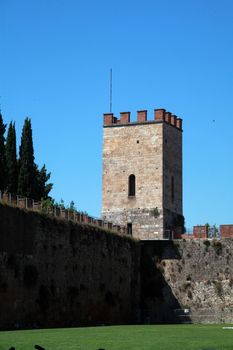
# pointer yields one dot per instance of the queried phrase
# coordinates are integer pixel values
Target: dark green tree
(3, 179)
(42, 187)
(11, 159)
(27, 170)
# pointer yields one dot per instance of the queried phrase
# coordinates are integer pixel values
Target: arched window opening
(172, 190)
(132, 183)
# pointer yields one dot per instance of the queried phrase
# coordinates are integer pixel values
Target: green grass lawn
(169, 337)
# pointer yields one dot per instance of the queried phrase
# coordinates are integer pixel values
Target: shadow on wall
(158, 302)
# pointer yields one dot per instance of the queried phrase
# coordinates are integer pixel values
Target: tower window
(129, 228)
(172, 189)
(132, 182)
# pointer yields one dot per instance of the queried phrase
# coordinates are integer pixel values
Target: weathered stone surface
(193, 274)
(64, 274)
(153, 153)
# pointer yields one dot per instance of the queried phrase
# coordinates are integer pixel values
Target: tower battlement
(160, 115)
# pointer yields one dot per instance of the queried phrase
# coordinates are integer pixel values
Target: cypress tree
(11, 159)
(27, 174)
(3, 179)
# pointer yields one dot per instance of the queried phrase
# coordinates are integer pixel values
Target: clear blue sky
(177, 54)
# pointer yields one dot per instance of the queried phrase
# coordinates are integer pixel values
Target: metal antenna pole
(111, 90)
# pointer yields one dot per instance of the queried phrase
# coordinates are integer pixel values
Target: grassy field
(169, 337)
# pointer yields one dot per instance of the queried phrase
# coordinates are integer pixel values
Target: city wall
(57, 273)
(187, 281)
(58, 211)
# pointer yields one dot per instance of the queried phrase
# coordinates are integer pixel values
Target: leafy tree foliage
(72, 206)
(42, 188)
(11, 159)
(2, 155)
(61, 204)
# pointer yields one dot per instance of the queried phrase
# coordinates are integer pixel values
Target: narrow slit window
(172, 189)
(129, 228)
(132, 183)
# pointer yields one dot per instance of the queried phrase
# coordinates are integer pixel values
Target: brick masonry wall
(226, 231)
(200, 231)
(58, 273)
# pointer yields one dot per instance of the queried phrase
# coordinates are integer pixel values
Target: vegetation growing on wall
(218, 288)
(217, 245)
(155, 212)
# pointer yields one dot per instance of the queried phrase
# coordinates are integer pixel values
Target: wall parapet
(160, 115)
(226, 231)
(207, 232)
(59, 212)
(200, 231)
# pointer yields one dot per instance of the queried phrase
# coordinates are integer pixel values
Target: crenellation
(179, 123)
(173, 120)
(160, 115)
(168, 117)
(142, 116)
(108, 119)
(55, 211)
(125, 117)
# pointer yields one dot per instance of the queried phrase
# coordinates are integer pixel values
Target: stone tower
(142, 173)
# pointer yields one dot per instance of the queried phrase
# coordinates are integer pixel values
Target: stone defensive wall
(58, 273)
(205, 232)
(226, 231)
(58, 212)
(187, 281)
(160, 115)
